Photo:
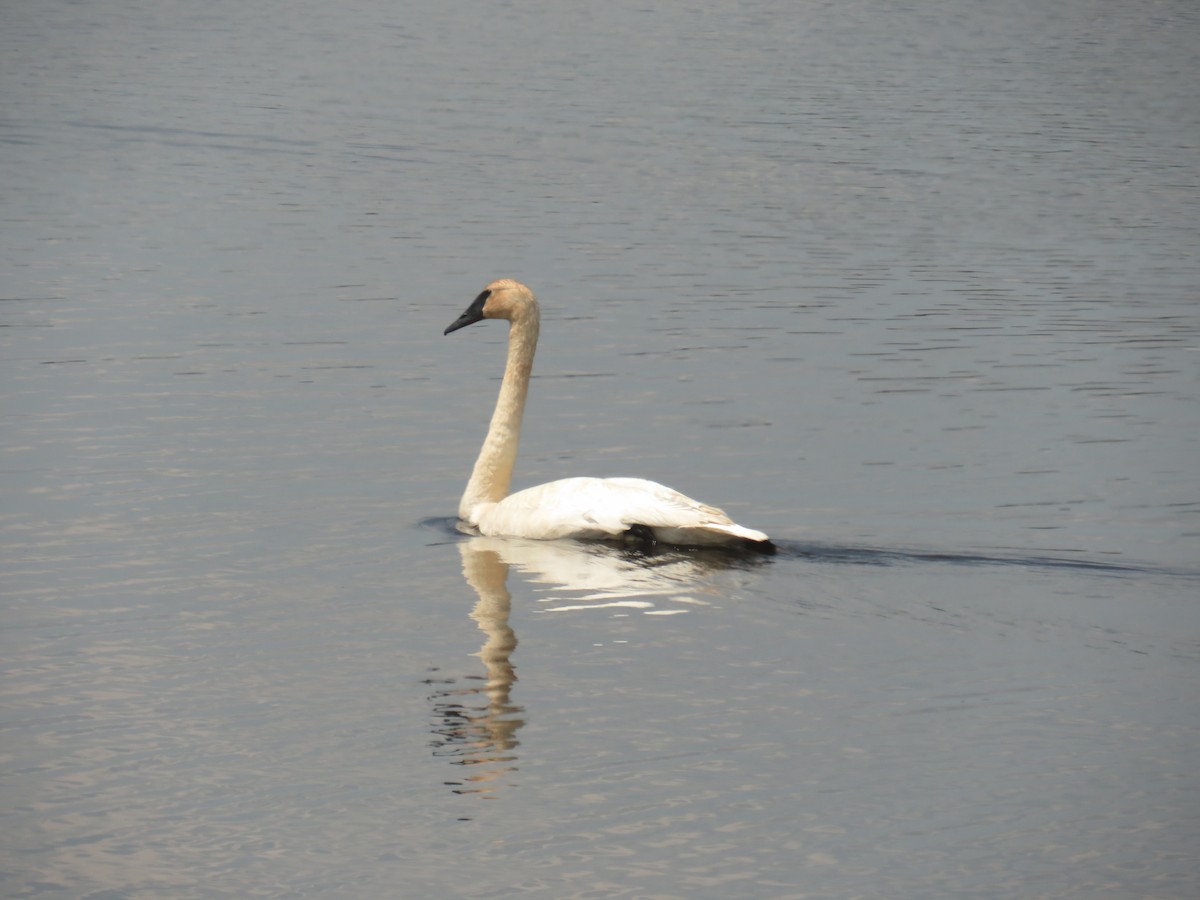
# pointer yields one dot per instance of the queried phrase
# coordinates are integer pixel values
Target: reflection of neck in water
(483, 735)
(486, 573)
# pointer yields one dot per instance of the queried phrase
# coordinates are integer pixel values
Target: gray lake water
(911, 287)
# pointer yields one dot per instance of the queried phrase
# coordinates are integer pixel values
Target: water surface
(913, 289)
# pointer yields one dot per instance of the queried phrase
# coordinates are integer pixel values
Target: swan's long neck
(493, 470)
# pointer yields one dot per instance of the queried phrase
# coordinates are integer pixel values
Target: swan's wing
(675, 517)
(597, 508)
(650, 503)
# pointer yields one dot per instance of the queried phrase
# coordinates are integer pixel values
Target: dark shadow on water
(876, 556)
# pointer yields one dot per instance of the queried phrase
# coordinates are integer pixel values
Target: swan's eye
(483, 297)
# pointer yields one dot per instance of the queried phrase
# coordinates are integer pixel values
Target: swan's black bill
(473, 314)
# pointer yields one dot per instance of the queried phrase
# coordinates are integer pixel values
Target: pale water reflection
(579, 576)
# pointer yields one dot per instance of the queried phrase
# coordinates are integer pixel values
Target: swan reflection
(576, 575)
(476, 724)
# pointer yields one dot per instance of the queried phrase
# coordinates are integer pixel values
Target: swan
(577, 508)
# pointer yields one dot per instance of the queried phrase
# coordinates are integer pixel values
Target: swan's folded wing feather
(645, 502)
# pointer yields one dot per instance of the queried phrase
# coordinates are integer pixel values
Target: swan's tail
(739, 531)
(712, 534)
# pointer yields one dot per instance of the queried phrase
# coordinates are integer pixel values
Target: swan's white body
(580, 508)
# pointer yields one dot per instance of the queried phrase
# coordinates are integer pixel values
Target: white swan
(580, 508)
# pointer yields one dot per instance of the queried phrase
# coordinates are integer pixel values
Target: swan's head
(503, 299)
